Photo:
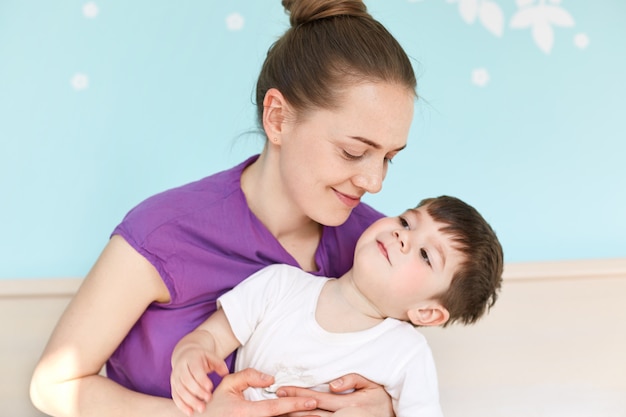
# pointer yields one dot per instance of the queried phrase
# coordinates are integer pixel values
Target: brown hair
(475, 286)
(330, 42)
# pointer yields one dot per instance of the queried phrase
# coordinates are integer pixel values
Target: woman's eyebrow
(373, 144)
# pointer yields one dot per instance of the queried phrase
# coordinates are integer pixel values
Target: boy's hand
(191, 386)
(365, 394)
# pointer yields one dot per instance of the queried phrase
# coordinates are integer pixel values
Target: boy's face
(403, 263)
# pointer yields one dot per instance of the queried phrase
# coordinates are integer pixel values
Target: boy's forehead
(421, 213)
(418, 211)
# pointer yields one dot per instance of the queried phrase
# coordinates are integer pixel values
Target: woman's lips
(349, 201)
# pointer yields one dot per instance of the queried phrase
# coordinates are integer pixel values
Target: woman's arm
(112, 297)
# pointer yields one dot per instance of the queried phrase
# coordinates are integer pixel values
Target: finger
(197, 383)
(359, 391)
(185, 377)
(351, 382)
(291, 391)
(251, 378)
(182, 406)
(325, 400)
(221, 368)
(247, 378)
(283, 406)
(318, 413)
(332, 401)
(188, 397)
(187, 402)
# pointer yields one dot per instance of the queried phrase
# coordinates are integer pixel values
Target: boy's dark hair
(475, 286)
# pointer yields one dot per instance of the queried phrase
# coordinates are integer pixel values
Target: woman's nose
(370, 179)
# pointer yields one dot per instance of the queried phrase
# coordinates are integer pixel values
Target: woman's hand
(366, 395)
(228, 400)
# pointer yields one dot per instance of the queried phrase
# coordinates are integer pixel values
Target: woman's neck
(297, 233)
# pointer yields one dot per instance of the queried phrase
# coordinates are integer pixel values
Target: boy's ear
(274, 110)
(429, 315)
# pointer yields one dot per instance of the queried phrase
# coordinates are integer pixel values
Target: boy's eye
(424, 255)
(403, 222)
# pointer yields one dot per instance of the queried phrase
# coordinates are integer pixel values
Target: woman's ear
(430, 315)
(274, 111)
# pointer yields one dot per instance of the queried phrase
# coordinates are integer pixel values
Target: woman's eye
(404, 223)
(351, 156)
(424, 255)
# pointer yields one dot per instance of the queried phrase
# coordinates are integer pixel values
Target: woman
(335, 100)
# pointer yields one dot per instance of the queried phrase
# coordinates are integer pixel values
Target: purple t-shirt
(203, 239)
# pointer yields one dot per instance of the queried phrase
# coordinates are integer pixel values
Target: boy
(433, 265)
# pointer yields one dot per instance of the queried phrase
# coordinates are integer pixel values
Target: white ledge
(570, 269)
(44, 287)
(513, 271)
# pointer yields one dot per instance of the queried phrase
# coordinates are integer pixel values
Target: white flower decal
(487, 11)
(90, 10)
(581, 40)
(540, 17)
(480, 77)
(234, 21)
(79, 81)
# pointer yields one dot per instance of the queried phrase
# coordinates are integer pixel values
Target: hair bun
(305, 11)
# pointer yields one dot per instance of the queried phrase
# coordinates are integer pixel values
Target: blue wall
(105, 103)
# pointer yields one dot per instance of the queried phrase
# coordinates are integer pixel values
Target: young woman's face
(330, 158)
(405, 262)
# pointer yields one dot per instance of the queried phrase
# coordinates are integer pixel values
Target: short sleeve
(417, 390)
(248, 303)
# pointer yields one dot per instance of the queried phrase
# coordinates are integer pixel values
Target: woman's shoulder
(187, 201)
(200, 192)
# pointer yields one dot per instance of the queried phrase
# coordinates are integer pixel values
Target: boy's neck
(342, 308)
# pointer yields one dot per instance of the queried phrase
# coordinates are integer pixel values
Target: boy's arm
(197, 354)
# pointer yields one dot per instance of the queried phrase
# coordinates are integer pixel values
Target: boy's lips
(348, 200)
(383, 250)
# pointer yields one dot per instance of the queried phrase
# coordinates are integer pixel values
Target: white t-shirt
(272, 314)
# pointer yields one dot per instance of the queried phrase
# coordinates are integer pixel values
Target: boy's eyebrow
(373, 144)
(442, 254)
(436, 245)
